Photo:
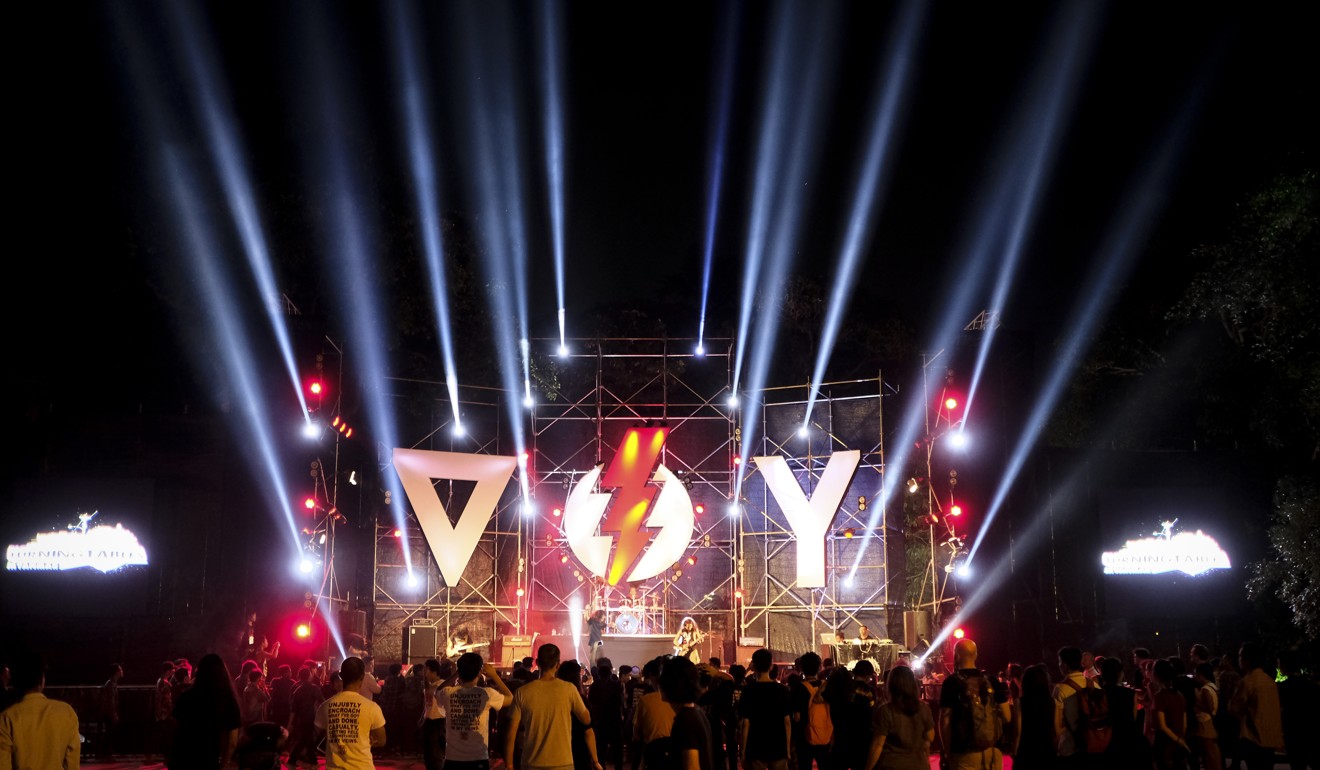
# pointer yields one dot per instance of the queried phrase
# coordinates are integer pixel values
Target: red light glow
(950, 403)
(955, 510)
(303, 631)
(958, 633)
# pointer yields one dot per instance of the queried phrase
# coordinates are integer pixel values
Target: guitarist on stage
(687, 639)
(460, 642)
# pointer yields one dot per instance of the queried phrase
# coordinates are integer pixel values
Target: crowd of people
(1094, 711)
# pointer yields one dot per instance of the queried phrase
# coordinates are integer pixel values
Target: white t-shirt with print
(467, 724)
(348, 719)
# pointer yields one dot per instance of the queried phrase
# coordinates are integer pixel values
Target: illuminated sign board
(101, 547)
(1192, 553)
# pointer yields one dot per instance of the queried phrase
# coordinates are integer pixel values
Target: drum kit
(634, 616)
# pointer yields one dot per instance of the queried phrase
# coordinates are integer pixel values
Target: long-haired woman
(904, 727)
(207, 719)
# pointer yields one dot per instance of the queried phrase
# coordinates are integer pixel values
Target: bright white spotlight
(311, 429)
(563, 350)
(958, 440)
(735, 510)
(459, 430)
(803, 432)
(918, 664)
(305, 566)
(528, 508)
(412, 580)
(850, 581)
(965, 571)
(527, 401)
(701, 351)
(733, 399)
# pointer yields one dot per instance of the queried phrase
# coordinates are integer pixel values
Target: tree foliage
(1292, 574)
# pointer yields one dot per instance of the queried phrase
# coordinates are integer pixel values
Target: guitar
(686, 650)
(452, 649)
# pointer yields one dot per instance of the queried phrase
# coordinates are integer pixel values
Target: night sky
(639, 82)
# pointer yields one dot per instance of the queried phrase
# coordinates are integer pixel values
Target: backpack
(980, 723)
(820, 728)
(1094, 727)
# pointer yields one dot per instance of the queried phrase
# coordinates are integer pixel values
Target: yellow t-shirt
(545, 709)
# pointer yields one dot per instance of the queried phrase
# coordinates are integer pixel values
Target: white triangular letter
(452, 546)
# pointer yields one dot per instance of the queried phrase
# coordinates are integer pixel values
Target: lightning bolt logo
(629, 474)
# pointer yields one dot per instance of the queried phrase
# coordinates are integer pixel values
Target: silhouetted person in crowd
(1299, 700)
(1036, 740)
(207, 719)
(1256, 704)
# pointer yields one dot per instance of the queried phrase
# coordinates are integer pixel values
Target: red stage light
(738, 594)
(849, 532)
(520, 592)
(563, 558)
(955, 510)
(737, 460)
(315, 387)
(950, 403)
(558, 511)
(700, 509)
(692, 560)
(958, 633)
(310, 503)
(398, 533)
(303, 631)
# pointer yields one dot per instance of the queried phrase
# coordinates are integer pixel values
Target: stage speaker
(514, 647)
(916, 625)
(744, 656)
(419, 643)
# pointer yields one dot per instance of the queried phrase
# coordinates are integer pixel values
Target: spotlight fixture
(699, 509)
(311, 430)
(563, 350)
(913, 486)
(352, 478)
(701, 350)
(521, 592)
(563, 558)
(459, 430)
(557, 512)
(951, 403)
(861, 502)
(305, 566)
(527, 401)
(803, 432)
(848, 533)
(692, 561)
(735, 510)
(955, 510)
(733, 399)
(958, 439)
